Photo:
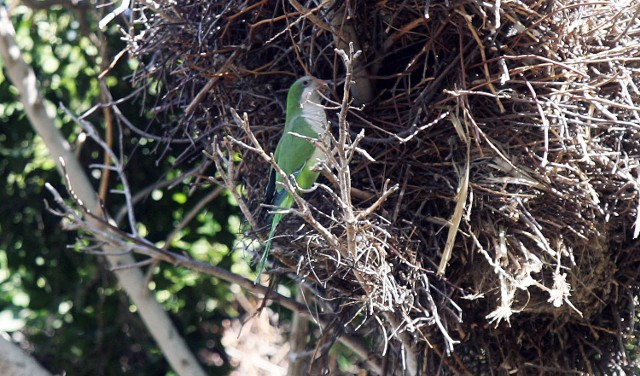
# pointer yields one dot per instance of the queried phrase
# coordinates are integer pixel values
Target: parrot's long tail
(267, 246)
(286, 203)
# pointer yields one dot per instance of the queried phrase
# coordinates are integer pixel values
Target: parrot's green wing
(293, 152)
(292, 155)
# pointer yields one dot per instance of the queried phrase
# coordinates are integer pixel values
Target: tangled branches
(482, 187)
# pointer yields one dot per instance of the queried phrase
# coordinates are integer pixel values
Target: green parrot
(295, 155)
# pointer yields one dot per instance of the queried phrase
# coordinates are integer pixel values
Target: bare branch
(106, 232)
(304, 210)
(14, 361)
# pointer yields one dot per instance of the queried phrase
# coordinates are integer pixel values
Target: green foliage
(72, 313)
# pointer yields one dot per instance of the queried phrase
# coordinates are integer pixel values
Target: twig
(228, 177)
(304, 210)
(345, 153)
(461, 200)
(112, 235)
(117, 165)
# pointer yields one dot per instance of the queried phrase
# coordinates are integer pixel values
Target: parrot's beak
(323, 86)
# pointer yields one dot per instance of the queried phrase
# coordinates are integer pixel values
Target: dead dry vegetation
(479, 211)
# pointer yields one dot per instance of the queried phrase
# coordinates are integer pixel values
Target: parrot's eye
(305, 82)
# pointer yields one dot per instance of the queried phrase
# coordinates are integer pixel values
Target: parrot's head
(306, 90)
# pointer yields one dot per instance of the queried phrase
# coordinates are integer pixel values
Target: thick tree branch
(15, 362)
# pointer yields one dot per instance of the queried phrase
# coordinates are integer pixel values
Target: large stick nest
(511, 129)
